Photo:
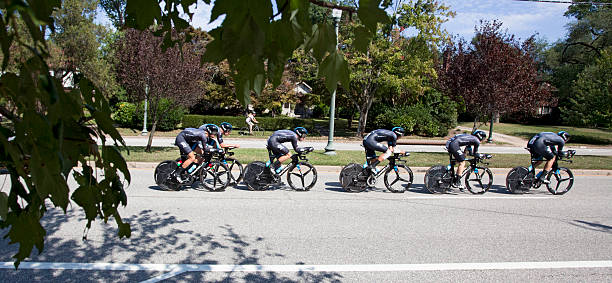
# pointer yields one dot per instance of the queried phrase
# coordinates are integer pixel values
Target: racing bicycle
(212, 173)
(478, 178)
(561, 179)
(397, 175)
(301, 175)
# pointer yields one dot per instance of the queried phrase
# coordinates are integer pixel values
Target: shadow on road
(592, 226)
(156, 238)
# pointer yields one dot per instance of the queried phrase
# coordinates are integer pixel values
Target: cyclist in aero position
(218, 133)
(542, 146)
(275, 144)
(454, 145)
(373, 142)
(188, 141)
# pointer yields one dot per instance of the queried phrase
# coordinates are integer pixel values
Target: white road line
(180, 268)
(480, 197)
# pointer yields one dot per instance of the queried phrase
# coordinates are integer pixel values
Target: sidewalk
(412, 145)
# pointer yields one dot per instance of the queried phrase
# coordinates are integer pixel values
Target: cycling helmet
(399, 131)
(301, 132)
(564, 135)
(211, 129)
(480, 134)
(226, 127)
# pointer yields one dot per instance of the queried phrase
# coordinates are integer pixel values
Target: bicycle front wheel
(479, 180)
(215, 177)
(236, 170)
(258, 131)
(437, 179)
(302, 176)
(399, 178)
(560, 181)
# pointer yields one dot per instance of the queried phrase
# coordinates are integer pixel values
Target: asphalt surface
(280, 228)
(356, 145)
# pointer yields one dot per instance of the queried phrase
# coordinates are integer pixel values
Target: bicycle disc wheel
(437, 179)
(519, 180)
(561, 181)
(353, 179)
(236, 170)
(215, 178)
(162, 173)
(302, 176)
(479, 180)
(348, 168)
(399, 178)
(256, 176)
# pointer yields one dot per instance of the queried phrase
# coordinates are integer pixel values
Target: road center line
(179, 268)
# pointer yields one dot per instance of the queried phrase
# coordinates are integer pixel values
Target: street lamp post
(329, 149)
(144, 126)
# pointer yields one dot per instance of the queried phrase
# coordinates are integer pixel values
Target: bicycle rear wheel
(479, 180)
(215, 177)
(437, 179)
(399, 178)
(257, 176)
(302, 176)
(162, 173)
(353, 178)
(519, 180)
(561, 181)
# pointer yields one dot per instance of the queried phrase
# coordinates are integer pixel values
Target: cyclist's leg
(379, 147)
(459, 156)
(282, 154)
(547, 154)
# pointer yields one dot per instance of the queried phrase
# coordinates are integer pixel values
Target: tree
(49, 132)
(147, 72)
(494, 74)
(591, 104)
(76, 45)
(115, 9)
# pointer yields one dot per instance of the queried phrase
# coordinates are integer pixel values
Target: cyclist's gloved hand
(300, 150)
(480, 156)
(562, 154)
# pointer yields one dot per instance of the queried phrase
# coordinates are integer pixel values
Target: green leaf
(323, 40)
(334, 69)
(142, 13)
(371, 14)
(27, 231)
(113, 159)
(362, 39)
(3, 205)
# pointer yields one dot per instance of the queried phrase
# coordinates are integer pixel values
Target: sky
(522, 19)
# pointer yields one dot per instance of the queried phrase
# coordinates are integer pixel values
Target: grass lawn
(578, 135)
(342, 158)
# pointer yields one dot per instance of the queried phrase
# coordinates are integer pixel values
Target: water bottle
(191, 168)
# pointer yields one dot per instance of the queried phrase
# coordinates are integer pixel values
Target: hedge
(268, 123)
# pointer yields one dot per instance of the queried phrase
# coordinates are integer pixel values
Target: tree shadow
(156, 237)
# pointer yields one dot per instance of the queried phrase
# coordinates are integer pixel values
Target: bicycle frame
(395, 159)
(295, 159)
(555, 166)
(473, 164)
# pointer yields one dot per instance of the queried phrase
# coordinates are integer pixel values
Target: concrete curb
(326, 168)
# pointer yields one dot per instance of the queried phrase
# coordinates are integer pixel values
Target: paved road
(320, 145)
(333, 236)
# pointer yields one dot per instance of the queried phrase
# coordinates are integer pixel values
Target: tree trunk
(496, 116)
(148, 149)
(349, 121)
(363, 117)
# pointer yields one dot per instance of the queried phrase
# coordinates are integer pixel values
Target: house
(293, 110)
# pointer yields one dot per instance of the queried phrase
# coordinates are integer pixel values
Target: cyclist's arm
(476, 145)
(294, 143)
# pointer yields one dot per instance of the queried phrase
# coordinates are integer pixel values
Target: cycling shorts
(540, 150)
(372, 146)
(278, 149)
(454, 149)
(184, 147)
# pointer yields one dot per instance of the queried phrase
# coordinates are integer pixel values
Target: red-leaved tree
(494, 74)
(148, 72)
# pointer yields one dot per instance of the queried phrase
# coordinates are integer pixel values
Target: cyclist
(372, 142)
(470, 141)
(188, 141)
(542, 147)
(218, 132)
(251, 121)
(275, 144)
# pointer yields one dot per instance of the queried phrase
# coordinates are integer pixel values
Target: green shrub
(268, 123)
(418, 119)
(124, 114)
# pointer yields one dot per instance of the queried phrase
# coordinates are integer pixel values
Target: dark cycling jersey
(281, 136)
(543, 145)
(212, 142)
(454, 145)
(372, 141)
(189, 139)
